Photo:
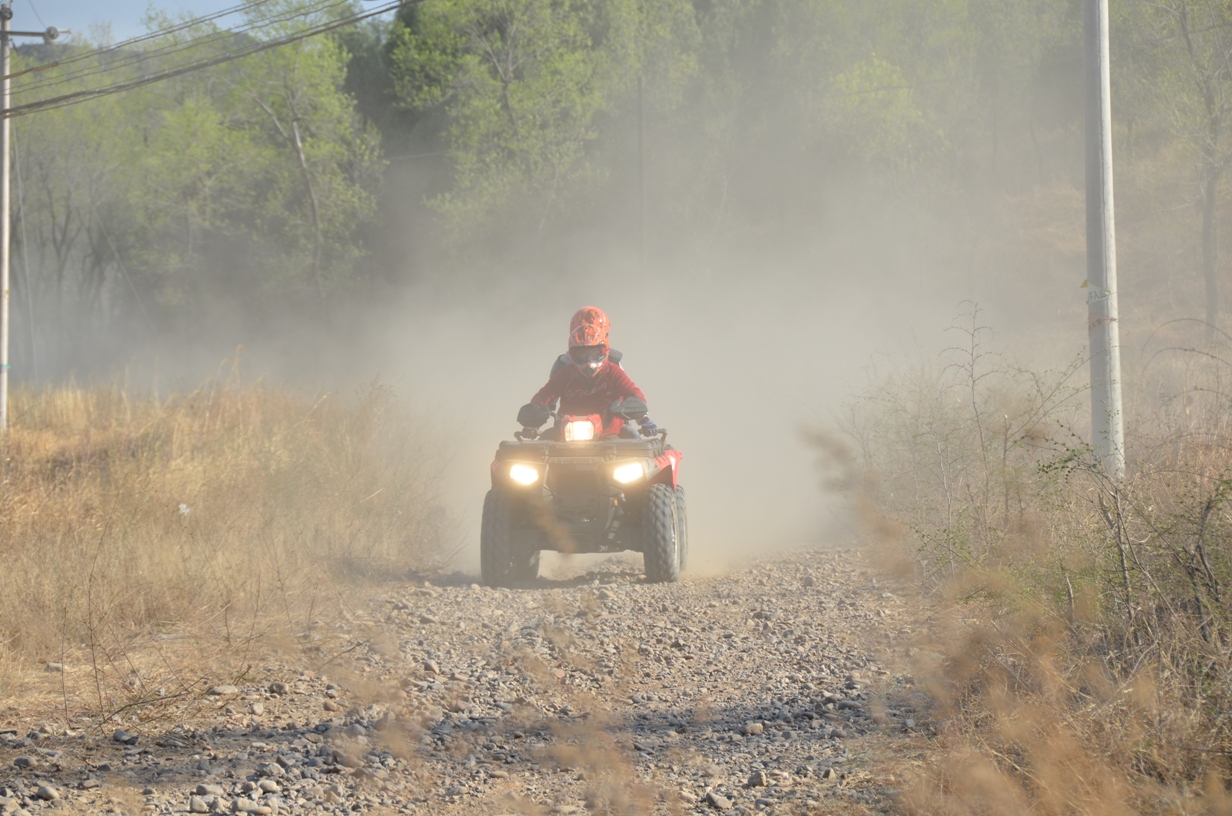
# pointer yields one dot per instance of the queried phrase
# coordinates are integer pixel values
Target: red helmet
(588, 339)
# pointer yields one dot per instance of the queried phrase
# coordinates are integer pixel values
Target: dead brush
(149, 542)
(1082, 660)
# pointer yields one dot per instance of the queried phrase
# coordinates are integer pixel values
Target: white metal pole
(1107, 432)
(6, 221)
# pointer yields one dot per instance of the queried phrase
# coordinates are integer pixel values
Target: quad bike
(583, 487)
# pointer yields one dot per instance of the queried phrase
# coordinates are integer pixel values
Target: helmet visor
(588, 358)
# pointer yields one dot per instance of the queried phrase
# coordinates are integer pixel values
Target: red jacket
(580, 395)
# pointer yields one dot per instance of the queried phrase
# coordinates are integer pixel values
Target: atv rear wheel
(682, 528)
(661, 552)
(501, 561)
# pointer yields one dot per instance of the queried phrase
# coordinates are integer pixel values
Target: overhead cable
(121, 59)
(256, 47)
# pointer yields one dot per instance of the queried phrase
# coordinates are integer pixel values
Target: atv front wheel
(682, 528)
(500, 560)
(661, 552)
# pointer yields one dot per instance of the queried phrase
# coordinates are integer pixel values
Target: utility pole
(6, 185)
(1107, 433)
(641, 176)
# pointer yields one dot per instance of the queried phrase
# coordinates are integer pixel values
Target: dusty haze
(737, 352)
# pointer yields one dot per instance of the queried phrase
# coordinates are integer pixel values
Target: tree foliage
(526, 117)
(524, 83)
(257, 175)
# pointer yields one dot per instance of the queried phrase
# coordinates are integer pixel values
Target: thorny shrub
(215, 520)
(1081, 660)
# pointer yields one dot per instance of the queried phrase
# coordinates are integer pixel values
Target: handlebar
(529, 434)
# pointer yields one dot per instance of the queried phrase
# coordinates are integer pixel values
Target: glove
(533, 416)
(648, 427)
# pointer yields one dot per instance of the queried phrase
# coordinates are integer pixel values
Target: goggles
(585, 355)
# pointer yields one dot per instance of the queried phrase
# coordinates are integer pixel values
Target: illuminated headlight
(524, 474)
(580, 431)
(629, 473)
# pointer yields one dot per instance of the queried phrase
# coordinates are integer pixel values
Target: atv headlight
(629, 473)
(582, 430)
(524, 474)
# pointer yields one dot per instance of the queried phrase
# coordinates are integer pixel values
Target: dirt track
(770, 689)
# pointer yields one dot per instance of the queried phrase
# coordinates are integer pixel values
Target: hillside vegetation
(471, 141)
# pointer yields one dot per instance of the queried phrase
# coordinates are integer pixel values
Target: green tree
(1193, 84)
(524, 83)
(257, 175)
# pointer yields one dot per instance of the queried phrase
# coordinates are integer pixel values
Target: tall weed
(1082, 660)
(146, 541)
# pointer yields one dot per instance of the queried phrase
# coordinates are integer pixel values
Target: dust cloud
(735, 355)
(737, 351)
(748, 322)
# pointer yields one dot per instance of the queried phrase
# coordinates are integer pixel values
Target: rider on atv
(589, 382)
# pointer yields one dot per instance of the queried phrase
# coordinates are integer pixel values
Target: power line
(37, 16)
(152, 35)
(139, 57)
(75, 97)
(134, 57)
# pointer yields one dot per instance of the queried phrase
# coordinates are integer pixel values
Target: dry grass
(1082, 659)
(147, 542)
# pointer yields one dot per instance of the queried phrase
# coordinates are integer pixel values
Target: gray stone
(25, 762)
(210, 790)
(47, 793)
(717, 801)
(124, 738)
(270, 769)
(278, 687)
(268, 786)
(757, 779)
(197, 805)
(226, 690)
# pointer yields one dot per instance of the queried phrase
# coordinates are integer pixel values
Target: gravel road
(771, 689)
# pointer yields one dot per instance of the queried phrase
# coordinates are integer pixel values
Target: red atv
(583, 487)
